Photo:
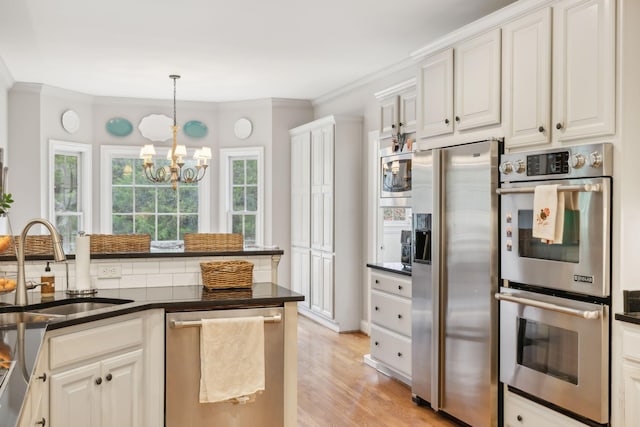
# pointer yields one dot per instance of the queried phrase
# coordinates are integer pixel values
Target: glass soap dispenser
(48, 281)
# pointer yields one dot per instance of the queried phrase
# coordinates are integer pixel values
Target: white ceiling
(224, 50)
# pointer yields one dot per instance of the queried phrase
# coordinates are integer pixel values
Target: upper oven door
(581, 262)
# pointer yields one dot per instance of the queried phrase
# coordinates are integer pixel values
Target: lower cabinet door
(122, 390)
(391, 349)
(74, 397)
(631, 373)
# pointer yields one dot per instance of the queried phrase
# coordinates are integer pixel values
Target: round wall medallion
(70, 121)
(243, 128)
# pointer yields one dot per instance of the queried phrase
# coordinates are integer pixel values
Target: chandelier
(176, 172)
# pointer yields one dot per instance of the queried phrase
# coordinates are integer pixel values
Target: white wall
(6, 81)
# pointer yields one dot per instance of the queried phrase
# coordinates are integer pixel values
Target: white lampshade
(169, 154)
(147, 151)
(205, 153)
(181, 150)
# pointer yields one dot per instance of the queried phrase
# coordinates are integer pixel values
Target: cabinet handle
(558, 125)
(446, 121)
(376, 308)
(399, 316)
(42, 422)
(519, 418)
(109, 377)
(541, 129)
(99, 380)
(458, 119)
(399, 354)
(43, 377)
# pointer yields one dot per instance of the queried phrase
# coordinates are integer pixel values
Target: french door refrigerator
(454, 279)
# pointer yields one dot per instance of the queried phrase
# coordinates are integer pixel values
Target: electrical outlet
(109, 271)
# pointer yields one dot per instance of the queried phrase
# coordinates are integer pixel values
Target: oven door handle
(585, 314)
(584, 188)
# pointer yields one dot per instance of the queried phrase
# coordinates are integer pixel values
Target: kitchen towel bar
(584, 188)
(276, 318)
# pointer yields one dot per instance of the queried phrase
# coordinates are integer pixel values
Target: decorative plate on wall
(70, 121)
(119, 126)
(156, 127)
(195, 129)
(243, 128)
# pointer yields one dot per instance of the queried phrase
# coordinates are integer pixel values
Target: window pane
(238, 172)
(250, 229)
(167, 200)
(188, 199)
(252, 199)
(67, 226)
(145, 200)
(188, 224)
(252, 171)
(122, 171)
(122, 199)
(146, 224)
(167, 227)
(66, 183)
(238, 199)
(122, 224)
(236, 221)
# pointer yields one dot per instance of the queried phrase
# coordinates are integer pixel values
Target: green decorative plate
(119, 126)
(195, 129)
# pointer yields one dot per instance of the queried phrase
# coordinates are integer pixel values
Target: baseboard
(318, 319)
(364, 327)
(386, 370)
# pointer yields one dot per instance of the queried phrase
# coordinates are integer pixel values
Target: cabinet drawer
(84, 345)
(392, 283)
(521, 412)
(631, 343)
(392, 349)
(392, 312)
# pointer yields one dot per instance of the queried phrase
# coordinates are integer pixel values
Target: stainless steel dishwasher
(182, 381)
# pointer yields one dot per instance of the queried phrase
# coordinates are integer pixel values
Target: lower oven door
(557, 350)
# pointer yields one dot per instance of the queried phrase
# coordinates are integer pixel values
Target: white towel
(231, 359)
(548, 214)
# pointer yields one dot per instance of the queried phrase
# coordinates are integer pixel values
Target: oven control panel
(580, 161)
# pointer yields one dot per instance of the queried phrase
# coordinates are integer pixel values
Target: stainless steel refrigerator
(454, 279)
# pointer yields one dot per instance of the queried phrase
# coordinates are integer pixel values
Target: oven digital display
(548, 164)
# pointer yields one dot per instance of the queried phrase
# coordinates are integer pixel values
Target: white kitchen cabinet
(631, 373)
(559, 73)
(75, 397)
(332, 273)
(459, 88)
(36, 405)
(521, 412)
(398, 109)
(300, 189)
(391, 324)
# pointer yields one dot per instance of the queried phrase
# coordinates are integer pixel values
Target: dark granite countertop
(391, 267)
(21, 341)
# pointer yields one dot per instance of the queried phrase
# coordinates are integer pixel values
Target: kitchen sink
(25, 317)
(78, 307)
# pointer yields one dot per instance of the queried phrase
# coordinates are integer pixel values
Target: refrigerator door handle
(585, 314)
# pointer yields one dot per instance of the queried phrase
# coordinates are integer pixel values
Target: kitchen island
(120, 325)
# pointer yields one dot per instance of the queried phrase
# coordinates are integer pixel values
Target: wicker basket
(34, 245)
(212, 242)
(120, 243)
(226, 294)
(227, 274)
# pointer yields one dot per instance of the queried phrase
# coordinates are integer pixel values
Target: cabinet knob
(42, 422)
(377, 281)
(446, 121)
(399, 287)
(43, 377)
(558, 125)
(109, 377)
(393, 126)
(399, 316)
(99, 380)
(376, 343)
(376, 308)
(541, 129)
(519, 418)
(458, 119)
(399, 354)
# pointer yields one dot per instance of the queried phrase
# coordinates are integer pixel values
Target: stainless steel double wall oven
(554, 305)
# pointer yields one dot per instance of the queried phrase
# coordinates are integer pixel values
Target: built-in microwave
(395, 179)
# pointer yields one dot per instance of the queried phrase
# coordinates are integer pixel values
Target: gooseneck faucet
(58, 255)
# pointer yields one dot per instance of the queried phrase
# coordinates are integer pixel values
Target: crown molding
(400, 87)
(5, 75)
(290, 103)
(323, 121)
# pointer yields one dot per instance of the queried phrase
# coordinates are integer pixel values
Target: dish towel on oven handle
(232, 365)
(548, 214)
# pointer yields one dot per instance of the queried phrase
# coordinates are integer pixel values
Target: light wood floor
(336, 388)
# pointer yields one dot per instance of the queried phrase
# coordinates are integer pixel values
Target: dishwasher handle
(276, 318)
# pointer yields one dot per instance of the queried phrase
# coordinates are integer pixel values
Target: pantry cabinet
(459, 88)
(398, 106)
(559, 73)
(325, 266)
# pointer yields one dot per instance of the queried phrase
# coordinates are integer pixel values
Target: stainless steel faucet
(58, 255)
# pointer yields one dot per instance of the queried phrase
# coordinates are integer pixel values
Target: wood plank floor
(336, 388)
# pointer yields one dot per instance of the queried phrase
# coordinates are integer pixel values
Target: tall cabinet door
(584, 68)
(317, 197)
(75, 397)
(526, 79)
(435, 85)
(327, 285)
(300, 277)
(327, 188)
(317, 282)
(300, 190)
(122, 397)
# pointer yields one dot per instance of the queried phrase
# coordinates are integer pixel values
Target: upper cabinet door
(584, 68)
(388, 116)
(435, 95)
(477, 81)
(526, 79)
(408, 111)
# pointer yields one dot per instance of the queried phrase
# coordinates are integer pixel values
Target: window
(133, 204)
(69, 190)
(243, 193)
